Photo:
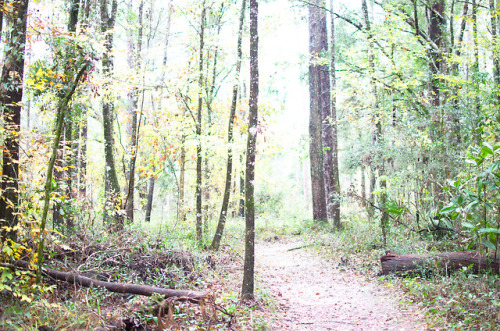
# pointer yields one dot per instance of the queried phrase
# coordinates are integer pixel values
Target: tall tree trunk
(247, 290)
(69, 129)
(241, 208)
(334, 196)
(149, 205)
(181, 179)
(494, 38)
(199, 170)
(11, 95)
(315, 117)
(363, 185)
(1, 19)
(69, 161)
(475, 70)
(452, 120)
(73, 15)
(326, 113)
(82, 157)
(57, 219)
(62, 109)
(436, 27)
(230, 139)
(376, 118)
(135, 63)
(111, 185)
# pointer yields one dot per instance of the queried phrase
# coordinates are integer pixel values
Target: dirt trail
(314, 295)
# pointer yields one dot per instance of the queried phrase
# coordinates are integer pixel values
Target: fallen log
(73, 278)
(402, 265)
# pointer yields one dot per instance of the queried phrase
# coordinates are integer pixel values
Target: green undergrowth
(461, 301)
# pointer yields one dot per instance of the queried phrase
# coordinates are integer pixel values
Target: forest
(249, 165)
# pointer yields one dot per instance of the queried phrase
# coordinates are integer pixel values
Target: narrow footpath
(312, 294)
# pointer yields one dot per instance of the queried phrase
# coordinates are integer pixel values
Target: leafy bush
(474, 202)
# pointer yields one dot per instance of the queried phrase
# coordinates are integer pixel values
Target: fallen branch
(402, 265)
(300, 247)
(181, 295)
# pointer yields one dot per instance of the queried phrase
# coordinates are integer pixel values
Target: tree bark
(73, 15)
(11, 95)
(230, 139)
(69, 141)
(149, 205)
(181, 179)
(436, 27)
(111, 184)
(494, 39)
(69, 161)
(135, 63)
(241, 208)
(247, 290)
(1, 19)
(315, 116)
(334, 196)
(82, 158)
(402, 265)
(57, 219)
(326, 112)
(199, 170)
(363, 185)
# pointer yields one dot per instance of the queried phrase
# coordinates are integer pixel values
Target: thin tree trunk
(71, 127)
(82, 158)
(376, 118)
(363, 186)
(334, 196)
(10, 100)
(1, 19)
(452, 120)
(229, 169)
(181, 179)
(315, 118)
(199, 174)
(475, 70)
(247, 289)
(149, 205)
(135, 63)
(436, 35)
(494, 39)
(69, 161)
(62, 109)
(241, 209)
(57, 220)
(111, 185)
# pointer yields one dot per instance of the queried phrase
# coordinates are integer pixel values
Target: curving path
(314, 295)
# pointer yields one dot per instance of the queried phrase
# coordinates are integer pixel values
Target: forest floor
(313, 293)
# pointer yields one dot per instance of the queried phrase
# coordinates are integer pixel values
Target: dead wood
(300, 247)
(73, 278)
(402, 265)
